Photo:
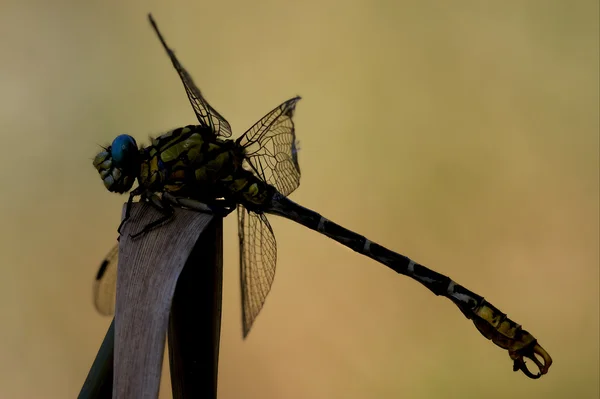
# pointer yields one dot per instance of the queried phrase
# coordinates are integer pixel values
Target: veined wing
(270, 148)
(105, 285)
(258, 258)
(207, 115)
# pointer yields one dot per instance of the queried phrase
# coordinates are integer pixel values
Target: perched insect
(199, 167)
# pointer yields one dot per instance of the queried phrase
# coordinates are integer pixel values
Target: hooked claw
(496, 326)
(530, 352)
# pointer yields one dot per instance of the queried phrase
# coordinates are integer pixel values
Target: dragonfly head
(119, 164)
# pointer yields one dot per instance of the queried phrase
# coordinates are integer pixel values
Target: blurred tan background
(463, 135)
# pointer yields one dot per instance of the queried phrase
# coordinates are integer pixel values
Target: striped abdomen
(489, 320)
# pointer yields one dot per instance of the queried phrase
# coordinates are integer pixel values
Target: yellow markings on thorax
(253, 189)
(149, 171)
(213, 168)
(237, 185)
(191, 146)
(212, 147)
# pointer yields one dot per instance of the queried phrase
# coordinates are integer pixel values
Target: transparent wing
(207, 115)
(258, 258)
(270, 147)
(105, 285)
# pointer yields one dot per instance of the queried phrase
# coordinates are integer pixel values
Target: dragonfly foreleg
(127, 210)
(138, 191)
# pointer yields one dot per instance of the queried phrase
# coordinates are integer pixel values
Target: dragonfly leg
(163, 207)
(127, 210)
(152, 225)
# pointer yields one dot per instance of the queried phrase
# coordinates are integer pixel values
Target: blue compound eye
(123, 151)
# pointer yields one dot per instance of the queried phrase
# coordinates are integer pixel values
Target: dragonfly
(200, 167)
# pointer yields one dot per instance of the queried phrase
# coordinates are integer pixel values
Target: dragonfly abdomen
(436, 282)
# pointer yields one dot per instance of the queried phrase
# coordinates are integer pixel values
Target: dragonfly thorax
(119, 164)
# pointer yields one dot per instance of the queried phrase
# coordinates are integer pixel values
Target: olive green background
(463, 134)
